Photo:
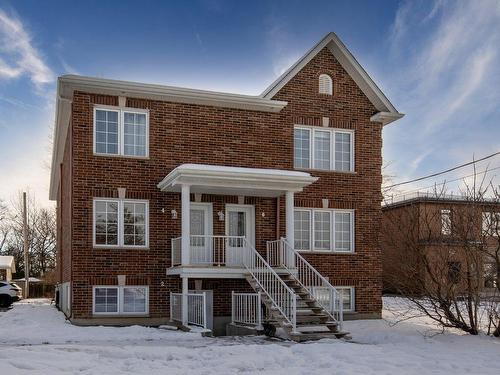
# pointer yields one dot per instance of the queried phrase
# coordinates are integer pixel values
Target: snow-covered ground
(35, 339)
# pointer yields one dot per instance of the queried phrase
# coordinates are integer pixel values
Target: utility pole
(26, 254)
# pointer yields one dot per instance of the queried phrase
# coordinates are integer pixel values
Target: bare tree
(41, 236)
(436, 251)
(4, 227)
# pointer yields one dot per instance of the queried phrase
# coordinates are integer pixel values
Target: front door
(201, 229)
(240, 221)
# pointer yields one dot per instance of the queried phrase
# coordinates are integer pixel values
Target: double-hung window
(324, 230)
(120, 223)
(120, 300)
(325, 149)
(121, 131)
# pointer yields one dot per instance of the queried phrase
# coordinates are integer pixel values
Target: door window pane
(197, 226)
(343, 231)
(302, 233)
(322, 149)
(106, 132)
(302, 148)
(236, 227)
(322, 230)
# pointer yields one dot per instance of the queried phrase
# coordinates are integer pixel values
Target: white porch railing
(211, 250)
(246, 309)
(282, 297)
(196, 308)
(176, 251)
(281, 254)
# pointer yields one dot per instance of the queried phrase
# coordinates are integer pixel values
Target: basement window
(119, 131)
(322, 294)
(120, 300)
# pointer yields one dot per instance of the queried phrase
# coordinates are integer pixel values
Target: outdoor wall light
(174, 214)
(221, 215)
(263, 214)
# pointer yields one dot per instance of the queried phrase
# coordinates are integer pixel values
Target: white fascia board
(68, 84)
(348, 62)
(62, 119)
(168, 93)
(386, 117)
(236, 178)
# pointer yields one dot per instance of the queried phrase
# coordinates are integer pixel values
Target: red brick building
(165, 190)
(432, 241)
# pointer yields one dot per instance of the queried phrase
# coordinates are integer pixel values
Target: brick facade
(186, 133)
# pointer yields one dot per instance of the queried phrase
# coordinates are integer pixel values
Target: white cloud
(18, 56)
(445, 68)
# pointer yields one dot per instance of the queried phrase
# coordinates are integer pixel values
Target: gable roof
(387, 112)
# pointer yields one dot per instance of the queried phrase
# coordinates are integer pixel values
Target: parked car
(9, 292)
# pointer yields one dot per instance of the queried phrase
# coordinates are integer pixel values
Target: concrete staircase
(312, 322)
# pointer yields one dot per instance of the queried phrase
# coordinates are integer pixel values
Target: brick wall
(184, 133)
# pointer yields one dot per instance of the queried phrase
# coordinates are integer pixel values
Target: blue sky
(437, 61)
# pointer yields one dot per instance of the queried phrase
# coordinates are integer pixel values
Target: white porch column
(185, 224)
(185, 291)
(289, 217)
(290, 261)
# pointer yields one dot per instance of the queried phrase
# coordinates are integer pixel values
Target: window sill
(325, 252)
(114, 315)
(117, 156)
(104, 247)
(325, 171)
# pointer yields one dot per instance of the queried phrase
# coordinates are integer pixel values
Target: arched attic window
(325, 84)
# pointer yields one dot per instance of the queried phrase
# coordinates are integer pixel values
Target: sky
(437, 61)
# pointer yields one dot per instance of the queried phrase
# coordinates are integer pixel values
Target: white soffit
(214, 179)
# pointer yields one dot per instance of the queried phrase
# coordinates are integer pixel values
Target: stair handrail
(280, 294)
(291, 259)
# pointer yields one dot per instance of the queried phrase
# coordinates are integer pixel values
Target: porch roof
(214, 179)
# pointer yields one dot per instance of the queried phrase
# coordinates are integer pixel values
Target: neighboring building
(141, 171)
(444, 231)
(7, 267)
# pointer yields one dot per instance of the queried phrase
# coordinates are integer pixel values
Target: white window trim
(330, 84)
(121, 299)
(491, 223)
(121, 133)
(312, 130)
(446, 227)
(332, 230)
(120, 223)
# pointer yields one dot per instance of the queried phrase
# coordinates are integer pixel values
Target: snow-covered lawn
(35, 339)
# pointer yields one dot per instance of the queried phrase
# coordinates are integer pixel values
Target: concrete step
(299, 337)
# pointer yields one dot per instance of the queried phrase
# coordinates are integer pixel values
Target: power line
(443, 172)
(447, 182)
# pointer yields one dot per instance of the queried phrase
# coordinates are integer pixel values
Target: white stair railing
(246, 308)
(282, 297)
(319, 288)
(196, 308)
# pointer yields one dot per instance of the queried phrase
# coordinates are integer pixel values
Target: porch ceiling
(212, 179)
